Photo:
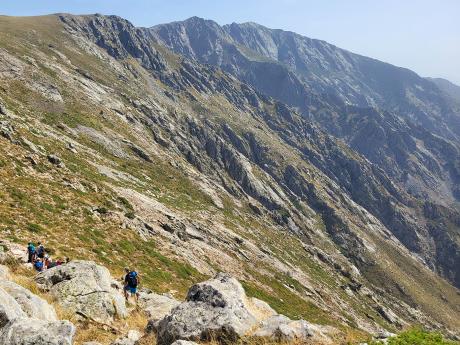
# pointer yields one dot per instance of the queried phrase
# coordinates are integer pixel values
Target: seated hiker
(47, 261)
(30, 252)
(38, 265)
(40, 251)
(131, 283)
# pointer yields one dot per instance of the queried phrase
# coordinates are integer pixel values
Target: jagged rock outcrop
(399, 121)
(215, 308)
(85, 288)
(219, 308)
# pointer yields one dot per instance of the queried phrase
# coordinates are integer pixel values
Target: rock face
(9, 308)
(156, 306)
(26, 319)
(281, 327)
(402, 123)
(84, 288)
(26, 331)
(219, 308)
(215, 308)
(32, 305)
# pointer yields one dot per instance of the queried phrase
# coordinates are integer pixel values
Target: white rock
(156, 306)
(85, 288)
(216, 307)
(4, 272)
(9, 308)
(184, 342)
(283, 328)
(26, 331)
(31, 304)
(131, 338)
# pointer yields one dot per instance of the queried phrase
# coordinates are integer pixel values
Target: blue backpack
(39, 266)
(31, 249)
(132, 279)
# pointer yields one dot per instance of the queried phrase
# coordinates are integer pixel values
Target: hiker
(38, 265)
(131, 284)
(30, 252)
(47, 262)
(40, 251)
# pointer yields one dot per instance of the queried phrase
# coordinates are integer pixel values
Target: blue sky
(421, 35)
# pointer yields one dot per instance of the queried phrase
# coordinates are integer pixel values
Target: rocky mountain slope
(399, 121)
(135, 154)
(389, 114)
(452, 90)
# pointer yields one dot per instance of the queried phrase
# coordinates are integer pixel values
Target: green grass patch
(417, 336)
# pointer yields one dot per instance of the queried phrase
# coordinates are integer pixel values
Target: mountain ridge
(192, 165)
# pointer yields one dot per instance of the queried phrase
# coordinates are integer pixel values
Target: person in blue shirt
(30, 252)
(131, 283)
(38, 265)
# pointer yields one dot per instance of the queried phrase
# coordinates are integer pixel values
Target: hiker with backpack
(38, 265)
(40, 251)
(131, 283)
(30, 253)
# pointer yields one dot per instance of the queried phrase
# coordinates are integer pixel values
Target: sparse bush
(32, 227)
(130, 215)
(417, 336)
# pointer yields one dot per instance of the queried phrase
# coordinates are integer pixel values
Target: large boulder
(283, 328)
(84, 288)
(217, 308)
(27, 331)
(12, 251)
(9, 309)
(156, 306)
(30, 304)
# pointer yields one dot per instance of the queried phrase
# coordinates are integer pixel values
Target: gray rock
(2, 109)
(215, 308)
(32, 305)
(53, 159)
(184, 342)
(84, 288)
(4, 272)
(26, 331)
(156, 306)
(9, 309)
(283, 328)
(131, 338)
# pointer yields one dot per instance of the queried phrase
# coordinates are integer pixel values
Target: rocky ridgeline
(214, 309)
